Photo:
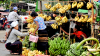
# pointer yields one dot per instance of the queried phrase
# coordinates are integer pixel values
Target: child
(79, 34)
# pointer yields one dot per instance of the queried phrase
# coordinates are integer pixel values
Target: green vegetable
(87, 40)
(86, 53)
(58, 46)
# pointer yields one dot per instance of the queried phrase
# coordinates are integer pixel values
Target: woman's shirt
(13, 35)
(79, 33)
(41, 23)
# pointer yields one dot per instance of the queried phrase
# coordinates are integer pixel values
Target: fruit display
(58, 6)
(48, 6)
(48, 18)
(31, 30)
(30, 19)
(31, 25)
(53, 8)
(74, 4)
(80, 4)
(64, 19)
(89, 5)
(76, 18)
(58, 46)
(58, 18)
(62, 10)
(54, 26)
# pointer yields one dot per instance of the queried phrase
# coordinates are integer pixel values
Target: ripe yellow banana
(80, 4)
(89, 5)
(74, 4)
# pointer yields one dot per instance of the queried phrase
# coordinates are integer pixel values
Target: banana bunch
(80, 4)
(48, 18)
(69, 6)
(64, 19)
(53, 8)
(58, 5)
(90, 19)
(74, 4)
(58, 18)
(89, 5)
(81, 19)
(35, 52)
(76, 18)
(48, 6)
(25, 52)
(54, 26)
(85, 18)
(31, 30)
(62, 10)
(59, 23)
(31, 25)
(43, 16)
(30, 19)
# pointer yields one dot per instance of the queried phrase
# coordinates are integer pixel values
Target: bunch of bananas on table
(89, 5)
(80, 4)
(58, 18)
(62, 10)
(58, 6)
(76, 18)
(64, 19)
(54, 26)
(48, 6)
(48, 18)
(30, 19)
(53, 8)
(74, 4)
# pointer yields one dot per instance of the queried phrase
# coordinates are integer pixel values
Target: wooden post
(41, 6)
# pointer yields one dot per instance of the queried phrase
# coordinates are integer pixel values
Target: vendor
(53, 15)
(79, 34)
(12, 43)
(41, 28)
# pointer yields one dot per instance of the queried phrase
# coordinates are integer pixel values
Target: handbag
(33, 38)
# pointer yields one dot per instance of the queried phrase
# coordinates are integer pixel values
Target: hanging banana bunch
(85, 18)
(62, 10)
(89, 5)
(81, 18)
(48, 6)
(76, 18)
(48, 18)
(80, 4)
(74, 4)
(90, 19)
(53, 9)
(58, 18)
(58, 6)
(30, 19)
(54, 26)
(64, 19)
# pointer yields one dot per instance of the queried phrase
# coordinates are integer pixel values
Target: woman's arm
(36, 27)
(66, 32)
(83, 36)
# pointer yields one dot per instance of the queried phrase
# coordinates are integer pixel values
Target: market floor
(4, 52)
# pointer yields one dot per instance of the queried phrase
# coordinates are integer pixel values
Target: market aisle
(4, 52)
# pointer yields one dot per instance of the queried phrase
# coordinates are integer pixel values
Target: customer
(41, 28)
(13, 16)
(12, 43)
(79, 34)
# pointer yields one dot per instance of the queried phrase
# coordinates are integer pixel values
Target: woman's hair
(77, 27)
(9, 32)
(34, 14)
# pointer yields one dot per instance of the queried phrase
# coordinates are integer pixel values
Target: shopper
(13, 16)
(79, 34)
(12, 43)
(41, 28)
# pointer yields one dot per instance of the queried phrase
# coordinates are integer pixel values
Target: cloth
(15, 8)
(13, 24)
(41, 23)
(13, 35)
(13, 16)
(79, 33)
(79, 40)
(15, 47)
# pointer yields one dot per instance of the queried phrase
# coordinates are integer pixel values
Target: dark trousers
(15, 47)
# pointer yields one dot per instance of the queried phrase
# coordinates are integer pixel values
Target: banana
(64, 19)
(85, 18)
(90, 19)
(58, 18)
(62, 10)
(80, 20)
(76, 18)
(53, 8)
(48, 6)
(58, 5)
(31, 30)
(54, 26)
(59, 23)
(48, 18)
(89, 5)
(74, 4)
(80, 4)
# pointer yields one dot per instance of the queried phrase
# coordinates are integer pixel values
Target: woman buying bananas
(41, 28)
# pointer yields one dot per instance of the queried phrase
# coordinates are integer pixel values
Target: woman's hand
(34, 34)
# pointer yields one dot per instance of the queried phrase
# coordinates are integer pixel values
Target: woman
(12, 43)
(79, 34)
(41, 28)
